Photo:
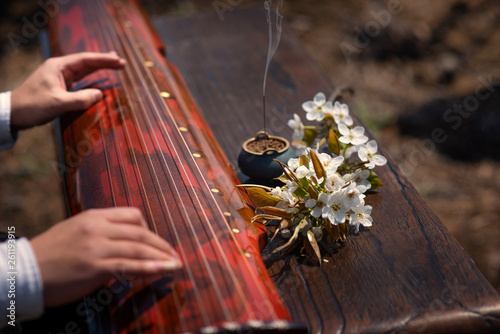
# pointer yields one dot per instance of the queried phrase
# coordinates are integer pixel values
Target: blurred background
(424, 78)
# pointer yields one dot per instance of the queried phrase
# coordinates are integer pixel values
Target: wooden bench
(407, 273)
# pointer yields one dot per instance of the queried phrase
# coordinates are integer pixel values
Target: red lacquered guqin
(146, 145)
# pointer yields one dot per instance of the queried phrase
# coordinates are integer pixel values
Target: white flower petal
(324, 198)
(293, 163)
(319, 99)
(372, 146)
(344, 130)
(302, 172)
(360, 140)
(311, 203)
(316, 212)
(328, 107)
(348, 120)
(358, 131)
(298, 135)
(379, 160)
(312, 115)
(363, 153)
(308, 106)
(361, 188)
(344, 139)
(337, 161)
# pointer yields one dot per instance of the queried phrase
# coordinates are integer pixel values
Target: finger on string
(138, 234)
(134, 250)
(78, 65)
(125, 215)
(139, 267)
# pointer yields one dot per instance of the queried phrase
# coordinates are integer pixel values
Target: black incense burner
(258, 155)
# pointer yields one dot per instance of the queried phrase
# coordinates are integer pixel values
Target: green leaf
(318, 166)
(304, 160)
(271, 210)
(303, 224)
(300, 192)
(333, 143)
(374, 180)
(311, 246)
(283, 178)
(309, 136)
(259, 195)
(304, 182)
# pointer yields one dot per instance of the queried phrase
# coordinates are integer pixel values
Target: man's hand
(44, 95)
(82, 253)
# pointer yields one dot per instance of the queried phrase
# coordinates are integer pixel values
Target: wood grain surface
(406, 273)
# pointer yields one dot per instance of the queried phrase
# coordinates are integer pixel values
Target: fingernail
(97, 95)
(172, 265)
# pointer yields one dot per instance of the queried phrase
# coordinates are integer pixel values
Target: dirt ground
(424, 75)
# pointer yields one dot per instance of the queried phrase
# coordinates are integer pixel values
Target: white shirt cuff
(7, 137)
(23, 278)
(30, 298)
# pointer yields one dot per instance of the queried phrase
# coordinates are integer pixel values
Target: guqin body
(146, 145)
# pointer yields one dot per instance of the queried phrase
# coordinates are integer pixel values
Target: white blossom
(297, 126)
(341, 115)
(302, 172)
(330, 163)
(334, 182)
(290, 186)
(353, 197)
(276, 192)
(368, 154)
(354, 136)
(293, 163)
(317, 108)
(361, 179)
(335, 210)
(361, 216)
(317, 205)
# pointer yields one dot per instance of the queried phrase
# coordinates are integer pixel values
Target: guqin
(150, 148)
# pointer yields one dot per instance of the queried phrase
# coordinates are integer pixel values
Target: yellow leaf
(294, 237)
(311, 246)
(259, 195)
(271, 210)
(283, 225)
(344, 230)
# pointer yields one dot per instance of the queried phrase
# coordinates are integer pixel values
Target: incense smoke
(268, 4)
